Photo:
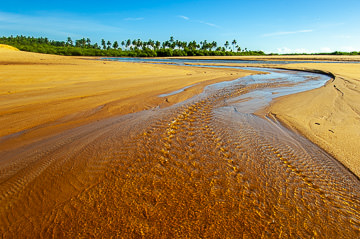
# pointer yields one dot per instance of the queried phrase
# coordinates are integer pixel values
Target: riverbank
(78, 169)
(278, 58)
(329, 116)
(43, 94)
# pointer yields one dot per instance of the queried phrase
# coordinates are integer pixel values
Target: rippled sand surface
(202, 168)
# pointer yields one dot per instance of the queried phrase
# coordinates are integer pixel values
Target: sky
(273, 26)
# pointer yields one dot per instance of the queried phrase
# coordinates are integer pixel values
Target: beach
(328, 116)
(94, 148)
(46, 94)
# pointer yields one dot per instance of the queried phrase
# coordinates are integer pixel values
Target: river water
(204, 168)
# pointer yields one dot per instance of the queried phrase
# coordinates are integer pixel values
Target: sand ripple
(197, 169)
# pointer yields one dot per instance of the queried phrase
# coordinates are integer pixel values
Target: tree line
(127, 48)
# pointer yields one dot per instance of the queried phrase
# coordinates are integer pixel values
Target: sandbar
(43, 94)
(329, 116)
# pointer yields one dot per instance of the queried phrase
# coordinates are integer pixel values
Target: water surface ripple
(205, 168)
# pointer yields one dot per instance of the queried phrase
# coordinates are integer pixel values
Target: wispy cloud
(184, 17)
(199, 21)
(133, 18)
(285, 33)
(209, 24)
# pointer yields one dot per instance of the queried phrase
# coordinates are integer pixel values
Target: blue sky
(272, 26)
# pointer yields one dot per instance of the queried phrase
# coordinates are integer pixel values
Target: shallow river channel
(205, 168)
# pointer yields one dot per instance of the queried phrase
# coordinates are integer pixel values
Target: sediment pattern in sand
(197, 169)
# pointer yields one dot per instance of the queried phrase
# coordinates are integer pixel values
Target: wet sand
(43, 94)
(199, 168)
(330, 115)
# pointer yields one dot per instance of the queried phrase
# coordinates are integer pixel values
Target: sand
(73, 163)
(45, 94)
(328, 116)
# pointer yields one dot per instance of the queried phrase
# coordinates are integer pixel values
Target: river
(206, 167)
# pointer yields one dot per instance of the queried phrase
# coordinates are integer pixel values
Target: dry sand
(44, 94)
(330, 115)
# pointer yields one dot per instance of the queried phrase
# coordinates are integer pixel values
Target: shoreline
(42, 95)
(328, 116)
(318, 120)
(335, 106)
(333, 58)
(83, 161)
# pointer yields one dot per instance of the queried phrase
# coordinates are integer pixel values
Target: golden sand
(330, 115)
(44, 94)
(195, 170)
(3, 46)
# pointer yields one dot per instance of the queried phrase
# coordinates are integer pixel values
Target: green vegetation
(126, 48)
(137, 48)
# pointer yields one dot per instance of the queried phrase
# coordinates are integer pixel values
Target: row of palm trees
(156, 45)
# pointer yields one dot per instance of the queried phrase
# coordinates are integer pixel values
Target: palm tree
(128, 43)
(157, 44)
(108, 45)
(69, 42)
(213, 44)
(115, 45)
(88, 42)
(103, 43)
(233, 43)
(139, 43)
(226, 45)
(205, 45)
(151, 43)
